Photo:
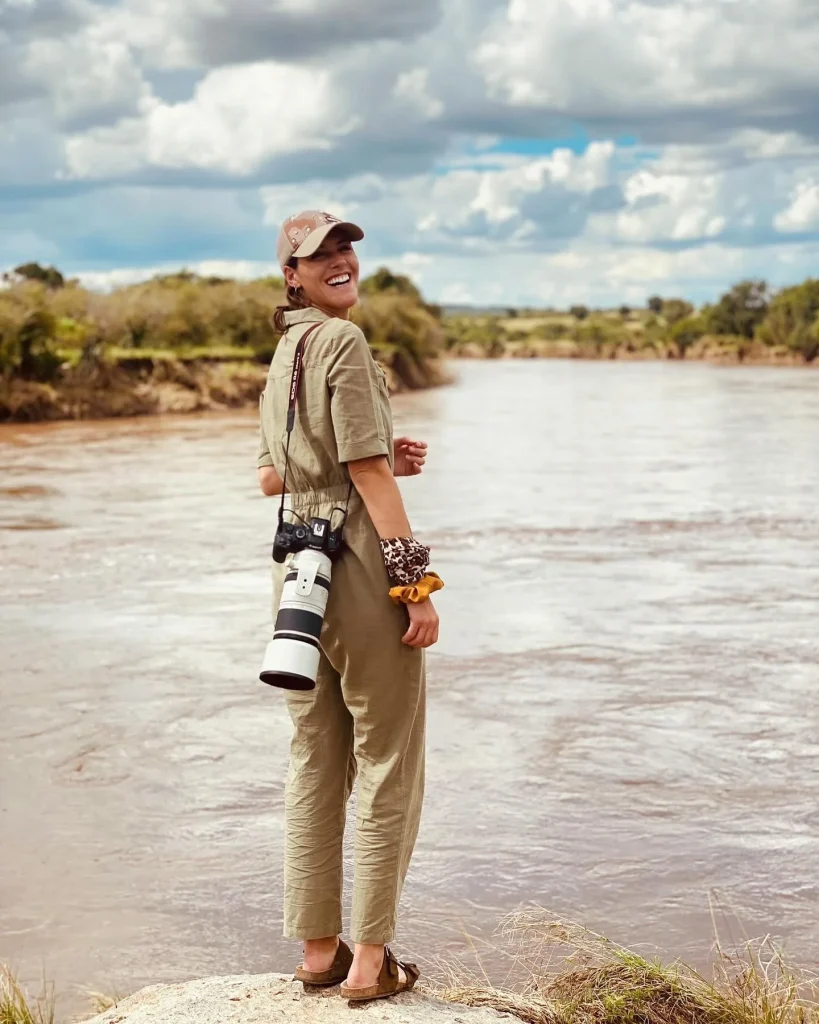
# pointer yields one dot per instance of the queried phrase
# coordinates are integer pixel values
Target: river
(624, 703)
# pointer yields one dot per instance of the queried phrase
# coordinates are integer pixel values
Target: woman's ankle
(320, 953)
(367, 951)
(367, 963)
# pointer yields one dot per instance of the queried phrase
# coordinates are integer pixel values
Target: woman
(365, 717)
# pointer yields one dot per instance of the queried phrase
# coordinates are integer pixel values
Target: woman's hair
(295, 300)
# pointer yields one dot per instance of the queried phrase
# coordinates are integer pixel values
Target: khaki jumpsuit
(366, 716)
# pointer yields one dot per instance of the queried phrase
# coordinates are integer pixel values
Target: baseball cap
(302, 234)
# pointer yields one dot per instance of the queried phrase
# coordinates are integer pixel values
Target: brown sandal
(389, 981)
(338, 971)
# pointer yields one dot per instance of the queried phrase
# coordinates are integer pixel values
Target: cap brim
(313, 241)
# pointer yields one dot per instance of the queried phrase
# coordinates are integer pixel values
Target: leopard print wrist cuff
(406, 559)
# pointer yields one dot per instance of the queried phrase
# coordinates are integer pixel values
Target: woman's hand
(423, 628)
(410, 456)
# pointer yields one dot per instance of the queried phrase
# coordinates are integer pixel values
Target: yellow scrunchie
(419, 591)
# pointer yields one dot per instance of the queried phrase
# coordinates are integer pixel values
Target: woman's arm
(375, 483)
(270, 482)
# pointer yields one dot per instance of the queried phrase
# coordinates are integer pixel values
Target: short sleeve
(355, 400)
(264, 457)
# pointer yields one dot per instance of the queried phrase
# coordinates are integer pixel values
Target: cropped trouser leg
(389, 717)
(319, 781)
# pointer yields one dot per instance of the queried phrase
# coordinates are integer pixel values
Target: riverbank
(156, 386)
(708, 350)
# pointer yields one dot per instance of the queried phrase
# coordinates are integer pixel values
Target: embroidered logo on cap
(299, 228)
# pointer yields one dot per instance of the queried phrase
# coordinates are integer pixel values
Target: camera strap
(293, 397)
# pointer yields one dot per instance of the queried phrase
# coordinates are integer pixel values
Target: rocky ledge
(269, 998)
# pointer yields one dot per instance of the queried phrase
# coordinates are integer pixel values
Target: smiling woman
(326, 275)
(326, 435)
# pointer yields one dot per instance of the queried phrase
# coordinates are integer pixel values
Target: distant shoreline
(717, 355)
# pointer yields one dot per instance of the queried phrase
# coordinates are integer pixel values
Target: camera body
(318, 535)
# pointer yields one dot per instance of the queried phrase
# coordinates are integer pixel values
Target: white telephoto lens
(292, 657)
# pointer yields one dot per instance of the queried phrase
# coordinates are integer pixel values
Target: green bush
(49, 276)
(27, 333)
(687, 331)
(793, 320)
(485, 331)
(674, 310)
(740, 310)
(599, 331)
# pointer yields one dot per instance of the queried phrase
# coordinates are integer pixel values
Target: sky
(512, 152)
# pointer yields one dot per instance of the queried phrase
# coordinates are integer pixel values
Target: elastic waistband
(328, 496)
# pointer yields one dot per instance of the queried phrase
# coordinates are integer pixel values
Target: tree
(686, 331)
(741, 310)
(674, 310)
(625, 312)
(792, 319)
(579, 312)
(655, 304)
(383, 280)
(36, 360)
(49, 276)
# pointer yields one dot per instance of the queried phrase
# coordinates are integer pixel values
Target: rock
(276, 999)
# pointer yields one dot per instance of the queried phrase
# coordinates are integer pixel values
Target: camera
(317, 535)
(292, 657)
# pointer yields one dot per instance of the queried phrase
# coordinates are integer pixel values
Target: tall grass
(18, 1007)
(570, 975)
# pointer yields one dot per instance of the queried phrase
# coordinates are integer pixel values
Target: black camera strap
(292, 401)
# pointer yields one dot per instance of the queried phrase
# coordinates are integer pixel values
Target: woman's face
(329, 277)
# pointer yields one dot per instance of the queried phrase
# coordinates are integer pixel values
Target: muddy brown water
(624, 705)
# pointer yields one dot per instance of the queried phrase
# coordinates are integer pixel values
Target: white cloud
(516, 201)
(414, 86)
(241, 116)
(639, 61)
(238, 118)
(803, 212)
(88, 75)
(676, 207)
